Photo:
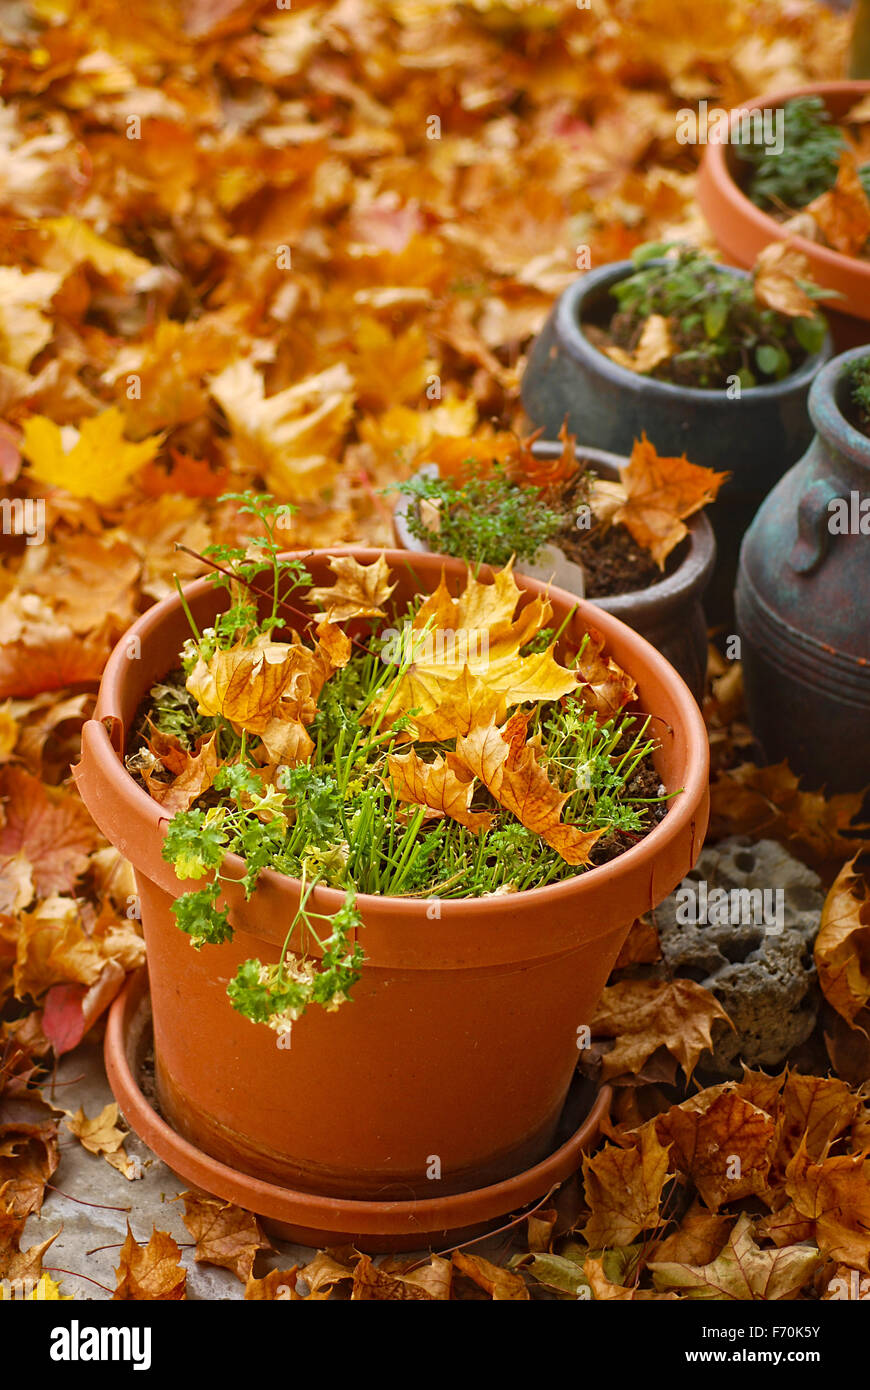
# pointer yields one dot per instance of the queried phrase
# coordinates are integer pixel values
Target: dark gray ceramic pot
(668, 614)
(756, 438)
(803, 601)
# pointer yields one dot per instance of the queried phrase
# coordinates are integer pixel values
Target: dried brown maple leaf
(742, 1270)
(698, 1238)
(767, 803)
(662, 492)
(843, 212)
(39, 654)
(370, 1283)
(815, 1112)
(16, 1263)
(359, 591)
(842, 949)
(324, 1272)
(624, 1190)
(511, 770)
(50, 826)
(604, 686)
(54, 948)
(193, 777)
(835, 1195)
(152, 1272)
(726, 1148)
(99, 1135)
(225, 1234)
(776, 273)
(605, 1291)
(28, 1159)
(643, 1015)
(278, 1286)
(443, 786)
(500, 1284)
(270, 688)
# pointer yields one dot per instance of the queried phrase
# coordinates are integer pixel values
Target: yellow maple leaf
(75, 243)
(462, 657)
(24, 327)
(98, 464)
(292, 439)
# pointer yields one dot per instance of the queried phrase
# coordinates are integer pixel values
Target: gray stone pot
(668, 614)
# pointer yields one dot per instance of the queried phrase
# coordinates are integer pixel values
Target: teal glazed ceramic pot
(803, 601)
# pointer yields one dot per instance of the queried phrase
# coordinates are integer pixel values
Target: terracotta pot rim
(573, 341)
(715, 166)
(825, 411)
(681, 815)
(423, 1217)
(692, 573)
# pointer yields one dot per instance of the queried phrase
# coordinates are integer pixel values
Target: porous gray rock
(742, 924)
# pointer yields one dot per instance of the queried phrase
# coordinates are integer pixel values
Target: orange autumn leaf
(152, 1272)
(843, 212)
(359, 591)
(643, 1015)
(268, 685)
(225, 1234)
(511, 770)
(542, 472)
(443, 786)
(604, 686)
(49, 826)
(768, 803)
(501, 1284)
(661, 493)
(624, 1190)
(654, 346)
(191, 778)
(775, 278)
(193, 477)
(460, 456)
(706, 1141)
(842, 949)
(28, 1160)
(373, 1284)
(16, 1263)
(835, 1195)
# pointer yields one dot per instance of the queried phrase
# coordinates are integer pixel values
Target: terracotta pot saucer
(307, 1219)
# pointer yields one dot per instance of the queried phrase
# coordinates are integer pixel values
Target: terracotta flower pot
(669, 614)
(802, 601)
(742, 230)
(755, 438)
(456, 1054)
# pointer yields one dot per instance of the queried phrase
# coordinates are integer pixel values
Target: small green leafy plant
(484, 519)
(807, 164)
(857, 374)
(720, 330)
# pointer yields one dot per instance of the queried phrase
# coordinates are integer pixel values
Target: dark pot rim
(650, 603)
(826, 413)
(567, 325)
